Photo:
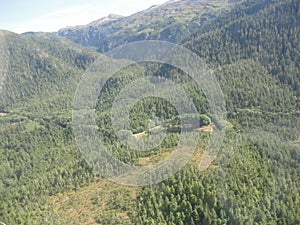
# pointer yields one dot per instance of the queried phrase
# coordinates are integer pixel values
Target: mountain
(92, 32)
(40, 66)
(40, 73)
(164, 22)
(253, 48)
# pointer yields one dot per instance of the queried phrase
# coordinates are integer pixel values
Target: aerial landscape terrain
(251, 51)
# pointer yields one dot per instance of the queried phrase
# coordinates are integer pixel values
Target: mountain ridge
(101, 21)
(163, 22)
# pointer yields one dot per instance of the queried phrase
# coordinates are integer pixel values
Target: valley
(253, 49)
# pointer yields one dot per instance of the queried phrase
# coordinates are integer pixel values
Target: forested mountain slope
(253, 48)
(267, 31)
(259, 40)
(41, 67)
(38, 156)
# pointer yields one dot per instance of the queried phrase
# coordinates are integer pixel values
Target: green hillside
(39, 157)
(252, 46)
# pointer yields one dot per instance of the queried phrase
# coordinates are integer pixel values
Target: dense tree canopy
(253, 48)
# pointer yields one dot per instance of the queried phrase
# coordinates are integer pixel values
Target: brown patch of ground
(208, 128)
(139, 135)
(144, 161)
(87, 204)
(206, 161)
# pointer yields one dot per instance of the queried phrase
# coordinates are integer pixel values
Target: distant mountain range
(173, 21)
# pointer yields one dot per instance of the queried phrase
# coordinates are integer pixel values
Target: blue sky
(51, 15)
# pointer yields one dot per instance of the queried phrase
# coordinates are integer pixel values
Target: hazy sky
(51, 15)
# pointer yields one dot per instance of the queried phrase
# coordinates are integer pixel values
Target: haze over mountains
(253, 47)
